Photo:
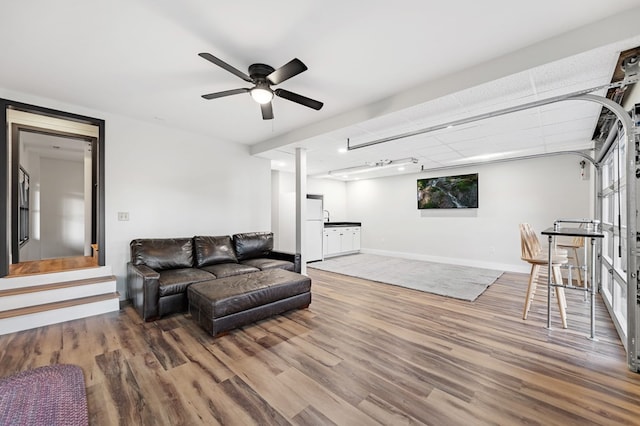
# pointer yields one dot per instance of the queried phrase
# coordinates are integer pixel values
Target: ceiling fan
(263, 77)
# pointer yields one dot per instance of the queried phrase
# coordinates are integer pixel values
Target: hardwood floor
(364, 353)
(33, 267)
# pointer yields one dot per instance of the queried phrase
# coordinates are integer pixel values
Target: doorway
(53, 192)
(54, 197)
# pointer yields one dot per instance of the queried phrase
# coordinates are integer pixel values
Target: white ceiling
(50, 146)
(380, 67)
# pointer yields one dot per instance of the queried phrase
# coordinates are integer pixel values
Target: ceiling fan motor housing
(259, 72)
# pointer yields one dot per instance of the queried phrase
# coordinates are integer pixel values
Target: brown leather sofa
(161, 270)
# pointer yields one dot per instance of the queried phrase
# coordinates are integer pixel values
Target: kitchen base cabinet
(341, 240)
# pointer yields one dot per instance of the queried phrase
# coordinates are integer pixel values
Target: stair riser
(56, 295)
(39, 319)
(55, 277)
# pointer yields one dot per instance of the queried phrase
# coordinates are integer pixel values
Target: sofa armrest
(143, 287)
(290, 257)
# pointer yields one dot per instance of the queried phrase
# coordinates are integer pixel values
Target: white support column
(301, 206)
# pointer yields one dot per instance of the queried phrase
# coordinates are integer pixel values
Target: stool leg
(531, 289)
(557, 278)
(577, 259)
(562, 300)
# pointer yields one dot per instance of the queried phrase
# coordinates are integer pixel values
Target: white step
(15, 298)
(54, 277)
(37, 300)
(54, 313)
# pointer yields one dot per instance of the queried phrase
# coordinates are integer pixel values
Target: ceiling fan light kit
(263, 77)
(262, 95)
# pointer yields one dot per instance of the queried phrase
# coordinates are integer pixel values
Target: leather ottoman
(225, 303)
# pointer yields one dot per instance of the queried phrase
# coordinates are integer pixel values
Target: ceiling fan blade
(267, 111)
(222, 64)
(225, 93)
(288, 70)
(299, 99)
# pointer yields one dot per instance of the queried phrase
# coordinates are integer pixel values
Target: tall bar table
(590, 288)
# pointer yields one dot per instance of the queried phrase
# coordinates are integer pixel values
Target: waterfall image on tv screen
(448, 192)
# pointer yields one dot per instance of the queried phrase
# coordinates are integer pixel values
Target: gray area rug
(460, 282)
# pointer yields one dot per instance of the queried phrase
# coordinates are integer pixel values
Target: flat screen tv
(448, 192)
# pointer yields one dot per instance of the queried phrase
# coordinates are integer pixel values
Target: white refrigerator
(314, 228)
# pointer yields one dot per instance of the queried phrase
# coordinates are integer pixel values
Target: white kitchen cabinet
(355, 237)
(334, 241)
(346, 240)
(325, 243)
(341, 240)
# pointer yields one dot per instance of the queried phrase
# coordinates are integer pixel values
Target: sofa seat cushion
(263, 264)
(175, 281)
(214, 250)
(227, 296)
(229, 269)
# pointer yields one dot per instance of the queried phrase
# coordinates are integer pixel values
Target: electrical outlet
(123, 216)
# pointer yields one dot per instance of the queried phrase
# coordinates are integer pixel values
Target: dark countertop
(572, 232)
(341, 224)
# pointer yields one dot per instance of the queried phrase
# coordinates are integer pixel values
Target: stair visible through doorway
(32, 301)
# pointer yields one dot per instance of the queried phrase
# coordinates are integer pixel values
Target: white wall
(283, 211)
(172, 182)
(176, 184)
(283, 207)
(62, 208)
(335, 197)
(536, 191)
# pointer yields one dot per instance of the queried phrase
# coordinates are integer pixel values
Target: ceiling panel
(587, 70)
(512, 90)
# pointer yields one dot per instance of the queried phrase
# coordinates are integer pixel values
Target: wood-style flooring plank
(34, 267)
(208, 400)
(362, 353)
(124, 392)
(100, 413)
(311, 417)
(160, 389)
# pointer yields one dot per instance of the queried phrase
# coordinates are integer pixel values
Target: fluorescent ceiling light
(368, 167)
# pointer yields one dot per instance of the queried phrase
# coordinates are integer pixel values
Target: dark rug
(51, 395)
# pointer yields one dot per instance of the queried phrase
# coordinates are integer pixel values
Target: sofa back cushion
(163, 253)
(214, 250)
(253, 244)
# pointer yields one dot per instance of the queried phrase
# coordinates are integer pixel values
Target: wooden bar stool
(572, 246)
(533, 253)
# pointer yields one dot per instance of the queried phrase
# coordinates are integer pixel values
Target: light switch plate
(123, 216)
